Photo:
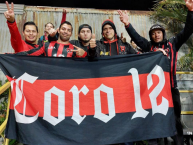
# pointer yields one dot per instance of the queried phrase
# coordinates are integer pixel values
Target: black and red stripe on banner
(75, 101)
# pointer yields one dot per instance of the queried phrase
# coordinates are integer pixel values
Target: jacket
(171, 46)
(16, 41)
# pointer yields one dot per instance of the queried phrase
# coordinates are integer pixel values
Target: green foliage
(13, 142)
(3, 104)
(172, 13)
(3, 110)
(186, 62)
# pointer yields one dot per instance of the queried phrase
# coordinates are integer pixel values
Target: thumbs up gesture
(123, 38)
(9, 14)
(93, 41)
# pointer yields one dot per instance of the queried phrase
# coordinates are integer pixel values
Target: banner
(74, 101)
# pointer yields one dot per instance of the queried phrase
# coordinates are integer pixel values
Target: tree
(172, 13)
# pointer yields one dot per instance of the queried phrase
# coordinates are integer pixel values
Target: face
(65, 32)
(30, 33)
(108, 32)
(157, 35)
(133, 44)
(48, 27)
(85, 34)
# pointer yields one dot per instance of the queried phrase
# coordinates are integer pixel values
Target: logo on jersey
(122, 48)
(104, 53)
(69, 50)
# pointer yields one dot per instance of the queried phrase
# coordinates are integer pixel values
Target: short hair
(49, 23)
(66, 22)
(30, 23)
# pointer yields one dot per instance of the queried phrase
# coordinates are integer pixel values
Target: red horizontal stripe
(122, 88)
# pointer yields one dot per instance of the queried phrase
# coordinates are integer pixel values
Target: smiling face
(85, 35)
(48, 27)
(108, 32)
(157, 35)
(30, 33)
(65, 32)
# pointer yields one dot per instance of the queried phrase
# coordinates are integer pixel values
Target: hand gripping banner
(79, 102)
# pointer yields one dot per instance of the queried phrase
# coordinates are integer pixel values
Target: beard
(84, 41)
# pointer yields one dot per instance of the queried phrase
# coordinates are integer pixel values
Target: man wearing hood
(110, 44)
(171, 46)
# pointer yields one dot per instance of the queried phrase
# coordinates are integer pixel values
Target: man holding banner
(111, 45)
(60, 48)
(171, 46)
(79, 102)
(86, 39)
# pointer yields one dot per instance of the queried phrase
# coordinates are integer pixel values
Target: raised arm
(63, 16)
(183, 36)
(16, 40)
(139, 40)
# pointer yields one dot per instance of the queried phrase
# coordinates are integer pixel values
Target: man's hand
(9, 14)
(123, 39)
(124, 18)
(64, 11)
(52, 32)
(163, 51)
(80, 52)
(189, 4)
(93, 41)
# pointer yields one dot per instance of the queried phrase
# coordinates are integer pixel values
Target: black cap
(84, 26)
(110, 22)
(157, 26)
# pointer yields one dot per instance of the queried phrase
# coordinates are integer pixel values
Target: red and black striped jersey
(53, 49)
(17, 43)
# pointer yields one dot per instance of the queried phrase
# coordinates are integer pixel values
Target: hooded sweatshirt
(113, 47)
(171, 46)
